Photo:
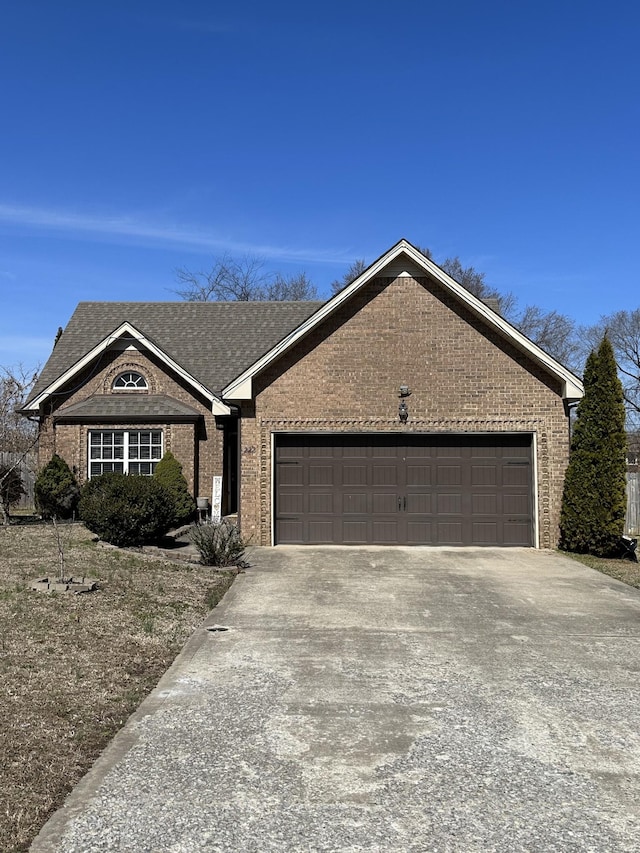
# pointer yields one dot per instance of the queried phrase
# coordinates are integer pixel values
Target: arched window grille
(131, 380)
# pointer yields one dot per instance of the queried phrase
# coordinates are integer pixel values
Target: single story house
(403, 410)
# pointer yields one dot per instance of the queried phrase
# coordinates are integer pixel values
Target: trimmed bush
(126, 509)
(56, 490)
(218, 543)
(169, 473)
(594, 500)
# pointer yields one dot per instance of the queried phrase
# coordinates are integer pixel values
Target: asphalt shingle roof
(128, 405)
(213, 341)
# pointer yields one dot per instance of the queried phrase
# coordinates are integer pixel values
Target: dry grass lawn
(73, 667)
(622, 570)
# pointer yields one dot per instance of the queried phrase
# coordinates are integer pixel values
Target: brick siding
(198, 447)
(345, 376)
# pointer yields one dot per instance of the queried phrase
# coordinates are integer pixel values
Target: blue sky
(140, 137)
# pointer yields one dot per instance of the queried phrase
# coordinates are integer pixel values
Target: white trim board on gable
(403, 259)
(114, 340)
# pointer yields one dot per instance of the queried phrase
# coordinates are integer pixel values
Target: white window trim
(125, 449)
(143, 387)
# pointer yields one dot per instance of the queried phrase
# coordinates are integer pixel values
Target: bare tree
(553, 332)
(16, 432)
(623, 330)
(241, 280)
(355, 269)
(296, 288)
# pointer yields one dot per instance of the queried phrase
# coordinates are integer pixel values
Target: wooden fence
(27, 465)
(632, 522)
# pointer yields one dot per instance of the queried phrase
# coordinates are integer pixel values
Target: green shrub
(594, 499)
(56, 490)
(169, 473)
(218, 543)
(126, 509)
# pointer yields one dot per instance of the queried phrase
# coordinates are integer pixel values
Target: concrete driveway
(385, 699)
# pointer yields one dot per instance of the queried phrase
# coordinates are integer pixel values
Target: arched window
(130, 381)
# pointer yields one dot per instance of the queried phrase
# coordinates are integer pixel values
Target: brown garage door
(404, 489)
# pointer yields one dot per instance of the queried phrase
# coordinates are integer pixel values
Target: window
(124, 451)
(130, 381)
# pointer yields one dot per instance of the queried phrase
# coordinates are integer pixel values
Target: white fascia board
(242, 387)
(217, 406)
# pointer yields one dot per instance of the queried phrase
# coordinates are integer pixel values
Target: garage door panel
(484, 504)
(516, 504)
(448, 475)
(419, 503)
(384, 503)
(385, 475)
(354, 475)
(449, 533)
(404, 488)
(319, 503)
(482, 450)
(355, 503)
(292, 503)
(485, 532)
(484, 475)
(517, 533)
(353, 451)
(321, 532)
(419, 533)
(355, 533)
(320, 475)
(322, 451)
(291, 530)
(291, 474)
(449, 504)
(516, 474)
(418, 475)
(385, 533)
(384, 450)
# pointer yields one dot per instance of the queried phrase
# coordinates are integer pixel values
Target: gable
(205, 343)
(405, 261)
(403, 331)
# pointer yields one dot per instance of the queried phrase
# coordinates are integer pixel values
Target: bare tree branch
(352, 273)
(241, 280)
(16, 432)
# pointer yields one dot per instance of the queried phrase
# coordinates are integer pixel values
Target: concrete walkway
(379, 699)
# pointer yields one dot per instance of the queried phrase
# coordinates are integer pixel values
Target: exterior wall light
(403, 411)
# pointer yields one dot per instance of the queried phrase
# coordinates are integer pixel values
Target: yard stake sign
(216, 499)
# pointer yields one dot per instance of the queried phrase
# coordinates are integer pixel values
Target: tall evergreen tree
(594, 499)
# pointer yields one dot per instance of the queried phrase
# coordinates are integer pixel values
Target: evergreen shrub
(169, 473)
(126, 509)
(594, 499)
(56, 490)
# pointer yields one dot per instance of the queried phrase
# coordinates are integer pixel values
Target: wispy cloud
(127, 228)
